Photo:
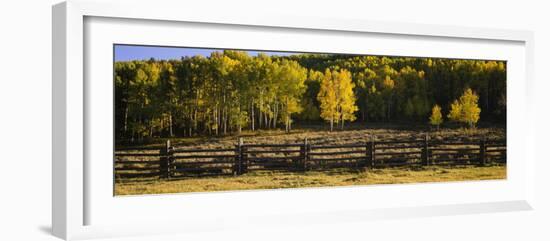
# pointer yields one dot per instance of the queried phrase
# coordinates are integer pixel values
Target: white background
(25, 122)
(233, 208)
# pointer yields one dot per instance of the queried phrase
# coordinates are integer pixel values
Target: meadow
(333, 178)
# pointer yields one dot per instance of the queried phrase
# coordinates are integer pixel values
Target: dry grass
(275, 180)
(352, 135)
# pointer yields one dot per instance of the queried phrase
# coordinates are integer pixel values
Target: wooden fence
(179, 162)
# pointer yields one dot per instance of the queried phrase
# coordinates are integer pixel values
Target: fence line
(175, 162)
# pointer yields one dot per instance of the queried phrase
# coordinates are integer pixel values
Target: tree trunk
(222, 118)
(171, 124)
(162, 122)
(269, 120)
(219, 118)
(261, 104)
(252, 114)
(216, 120)
(289, 125)
(225, 122)
(126, 119)
(275, 114)
(195, 119)
(260, 119)
(331, 124)
(286, 125)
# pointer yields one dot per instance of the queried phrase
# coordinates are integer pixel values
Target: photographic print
(190, 119)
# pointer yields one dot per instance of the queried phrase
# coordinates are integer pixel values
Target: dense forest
(230, 91)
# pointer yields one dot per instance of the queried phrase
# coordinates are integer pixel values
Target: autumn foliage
(230, 91)
(466, 109)
(436, 118)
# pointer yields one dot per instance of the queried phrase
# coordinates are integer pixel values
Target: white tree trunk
(252, 114)
(171, 124)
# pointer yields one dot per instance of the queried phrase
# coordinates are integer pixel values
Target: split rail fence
(180, 162)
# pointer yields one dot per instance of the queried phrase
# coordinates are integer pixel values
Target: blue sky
(137, 52)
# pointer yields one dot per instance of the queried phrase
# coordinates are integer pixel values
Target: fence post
(244, 166)
(305, 155)
(426, 151)
(170, 151)
(482, 150)
(165, 160)
(371, 145)
(238, 157)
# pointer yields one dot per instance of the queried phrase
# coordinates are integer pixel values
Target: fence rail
(178, 162)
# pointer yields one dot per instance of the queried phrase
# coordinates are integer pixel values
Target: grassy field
(276, 180)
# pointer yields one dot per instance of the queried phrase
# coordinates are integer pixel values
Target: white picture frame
(71, 191)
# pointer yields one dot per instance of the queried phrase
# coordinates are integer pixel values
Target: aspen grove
(231, 91)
